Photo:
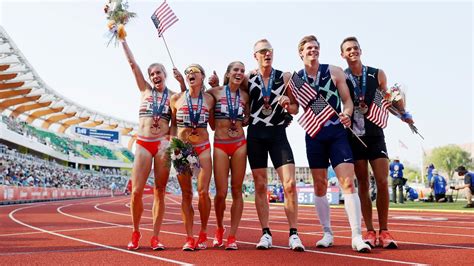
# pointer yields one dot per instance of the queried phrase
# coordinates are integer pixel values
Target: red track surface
(96, 231)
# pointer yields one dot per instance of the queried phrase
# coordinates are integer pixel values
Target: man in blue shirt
(411, 193)
(429, 173)
(396, 172)
(468, 184)
(439, 186)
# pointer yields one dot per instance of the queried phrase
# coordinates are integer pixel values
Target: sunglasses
(191, 70)
(265, 50)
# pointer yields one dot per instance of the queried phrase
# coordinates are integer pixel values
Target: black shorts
(376, 148)
(272, 140)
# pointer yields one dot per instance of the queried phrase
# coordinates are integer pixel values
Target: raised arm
(142, 84)
(174, 125)
(179, 78)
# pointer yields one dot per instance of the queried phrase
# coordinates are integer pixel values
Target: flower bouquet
(117, 16)
(183, 157)
(396, 96)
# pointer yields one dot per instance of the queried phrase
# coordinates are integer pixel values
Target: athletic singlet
(182, 115)
(221, 109)
(146, 107)
(372, 80)
(277, 117)
(328, 90)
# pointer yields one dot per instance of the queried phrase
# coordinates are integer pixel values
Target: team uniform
(439, 187)
(331, 145)
(369, 132)
(152, 144)
(183, 120)
(266, 134)
(221, 111)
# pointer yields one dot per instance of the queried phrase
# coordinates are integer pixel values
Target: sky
(427, 46)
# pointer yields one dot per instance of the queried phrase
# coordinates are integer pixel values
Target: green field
(410, 205)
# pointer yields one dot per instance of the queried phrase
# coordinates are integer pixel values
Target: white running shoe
(326, 241)
(295, 243)
(265, 242)
(359, 245)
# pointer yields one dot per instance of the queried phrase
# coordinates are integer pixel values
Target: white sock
(322, 208)
(352, 206)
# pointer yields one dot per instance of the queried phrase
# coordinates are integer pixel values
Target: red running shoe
(218, 238)
(201, 242)
(156, 244)
(370, 238)
(133, 244)
(386, 240)
(231, 243)
(189, 245)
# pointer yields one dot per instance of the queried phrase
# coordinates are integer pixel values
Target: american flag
(378, 110)
(303, 92)
(315, 116)
(163, 18)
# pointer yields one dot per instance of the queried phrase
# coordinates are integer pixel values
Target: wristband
(407, 115)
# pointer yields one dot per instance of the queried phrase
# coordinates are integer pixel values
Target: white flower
(173, 157)
(192, 160)
(179, 156)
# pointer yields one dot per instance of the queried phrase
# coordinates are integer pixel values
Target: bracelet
(407, 115)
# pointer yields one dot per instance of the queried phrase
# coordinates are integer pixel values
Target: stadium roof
(23, 92)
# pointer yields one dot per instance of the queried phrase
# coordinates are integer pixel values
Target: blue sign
(107, 135)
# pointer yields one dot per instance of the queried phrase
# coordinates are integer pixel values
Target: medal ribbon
(233, 108)
(266, 92)
(359, 91)
(158, 110)
(315, 83)
(194, 117)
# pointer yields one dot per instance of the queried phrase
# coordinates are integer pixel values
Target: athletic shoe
(359, 245)
(189, 245)
(265, 242)
(386, 240)
(295, 243)
(326, 241)
(133, 244)
(217, 242)
(156, 244)
(370, 238)
(469, 205)
(231, 243)
(201, 241)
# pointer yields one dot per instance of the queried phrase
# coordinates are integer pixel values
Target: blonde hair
(306, 39)
(161, 66)
(202, 72)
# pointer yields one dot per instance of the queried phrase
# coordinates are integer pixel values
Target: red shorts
(229, 146)
(152, 145)
(199, 148)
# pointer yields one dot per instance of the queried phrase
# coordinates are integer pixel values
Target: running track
(96, 231)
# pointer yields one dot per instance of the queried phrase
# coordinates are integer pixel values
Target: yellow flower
(121, 32)
(110, 24)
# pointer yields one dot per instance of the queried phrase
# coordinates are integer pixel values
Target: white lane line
(52, 251)
(63, 230)
(11, 215)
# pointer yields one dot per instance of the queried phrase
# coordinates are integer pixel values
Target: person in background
(468, 184)
(438, 184)
(396, 172)
(429, 172)
(411, 194)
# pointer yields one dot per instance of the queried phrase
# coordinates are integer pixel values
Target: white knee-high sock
(322, 208)
(352, 206)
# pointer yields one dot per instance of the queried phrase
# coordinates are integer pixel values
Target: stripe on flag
(303, 92)
(315, 116)
(163, 18)
(378, 110)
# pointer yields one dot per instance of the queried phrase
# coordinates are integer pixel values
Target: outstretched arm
(142, 84)
(179, 78)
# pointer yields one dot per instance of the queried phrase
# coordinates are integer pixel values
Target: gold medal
(194, 136)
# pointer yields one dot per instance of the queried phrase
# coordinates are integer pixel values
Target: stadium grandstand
(43, 130)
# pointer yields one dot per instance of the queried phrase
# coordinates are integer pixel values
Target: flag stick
(363, 143)
(172, 62)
